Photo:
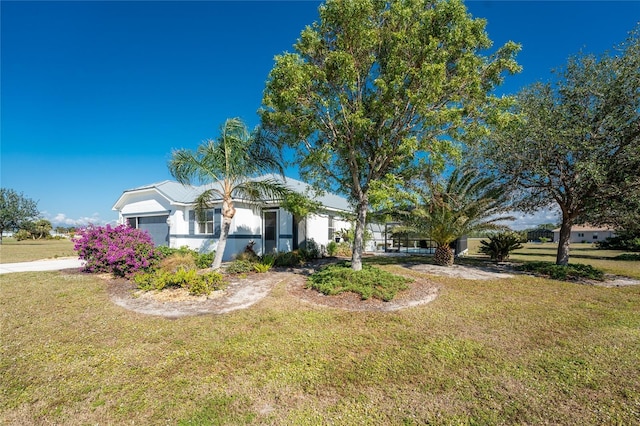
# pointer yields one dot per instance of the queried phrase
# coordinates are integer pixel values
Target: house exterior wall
(246, 226)
(318, 227)
(586, 236)
(148, 203)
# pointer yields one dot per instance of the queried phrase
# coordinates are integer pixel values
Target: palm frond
(447, 209)
(262, 190)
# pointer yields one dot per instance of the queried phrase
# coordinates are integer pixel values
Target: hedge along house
(166, 210)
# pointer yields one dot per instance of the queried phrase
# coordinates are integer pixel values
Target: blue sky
(95, 95)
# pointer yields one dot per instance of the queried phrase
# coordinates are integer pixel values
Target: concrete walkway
(40, 265)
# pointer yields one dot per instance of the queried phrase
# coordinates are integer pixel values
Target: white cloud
(61, 219)
(525, 221)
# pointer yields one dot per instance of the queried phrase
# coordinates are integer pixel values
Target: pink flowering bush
(122, 250)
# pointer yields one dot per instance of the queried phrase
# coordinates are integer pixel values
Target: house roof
(176, 193)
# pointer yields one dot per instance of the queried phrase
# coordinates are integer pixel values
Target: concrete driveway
(40, 265)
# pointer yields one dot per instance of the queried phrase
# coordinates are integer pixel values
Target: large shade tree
(373, 84)
(15, 210)
(575, 144)
(445, 208)
(228, 167)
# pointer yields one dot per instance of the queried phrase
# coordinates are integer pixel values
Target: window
(595, 236)
(211, 224)
(580, 234)
(206, 227)
(133, 222)
(332, 229)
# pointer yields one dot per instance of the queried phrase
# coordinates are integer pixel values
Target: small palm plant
(500, 246)
(228, 165)
(447, 209)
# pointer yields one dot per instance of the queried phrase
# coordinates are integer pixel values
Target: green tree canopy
(15, 210)
(575, 143)
(373, 85)
(230, 164)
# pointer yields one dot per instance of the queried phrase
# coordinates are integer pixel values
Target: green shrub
(205, 260)
(240, 266)
(197, 284)
(500, 245)
(202, 260)
(206, 283)
(288, 259)
(368, 282)
(148, 281)
(310, 251)
(571, 272)
(247, 256)
(164, 251)
(265, 264)
(628, 256)
(22, 235)
(332, 248)
(626, 241)
(261, 268)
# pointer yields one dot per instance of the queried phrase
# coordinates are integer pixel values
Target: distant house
(166, 210)
(540, 233)
(586, 234)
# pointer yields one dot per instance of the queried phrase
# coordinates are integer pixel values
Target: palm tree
(447, 209)
(228, 166)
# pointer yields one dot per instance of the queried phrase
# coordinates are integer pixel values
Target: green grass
(524, 350)
(24, 251)
(586, 254)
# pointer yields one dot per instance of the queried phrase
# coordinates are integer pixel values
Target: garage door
(157, 227)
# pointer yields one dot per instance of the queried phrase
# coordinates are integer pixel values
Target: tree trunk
(443, 255)
(228, 211)
(222, 243)
(358, 240)
(562, 257)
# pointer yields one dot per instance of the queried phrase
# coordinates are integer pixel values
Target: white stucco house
(586, 234)
(167, 211)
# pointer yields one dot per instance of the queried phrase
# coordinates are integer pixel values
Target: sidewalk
(40, 265)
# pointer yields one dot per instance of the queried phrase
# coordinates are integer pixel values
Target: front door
(270, 231)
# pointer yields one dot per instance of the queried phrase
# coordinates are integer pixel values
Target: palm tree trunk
(443, 255)
(222, 243)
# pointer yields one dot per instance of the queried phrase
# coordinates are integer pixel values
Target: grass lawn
(578, 253)
(24, 251)
(523, 350)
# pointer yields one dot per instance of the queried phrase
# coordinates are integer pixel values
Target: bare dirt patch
(615, 281)
(240, 294)
(462, 271)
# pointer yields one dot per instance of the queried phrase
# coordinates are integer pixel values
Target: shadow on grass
(572, 254)
(484, 263)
